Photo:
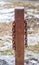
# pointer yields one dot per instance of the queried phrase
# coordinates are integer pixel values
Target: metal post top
(19, 7)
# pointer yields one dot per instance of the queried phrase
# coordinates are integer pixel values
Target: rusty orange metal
(19, 36)
(19, 25)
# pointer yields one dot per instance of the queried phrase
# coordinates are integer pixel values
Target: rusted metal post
(19, 36)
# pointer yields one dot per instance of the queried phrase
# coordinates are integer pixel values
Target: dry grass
(5, 29)
(7, 52)
(34, 48)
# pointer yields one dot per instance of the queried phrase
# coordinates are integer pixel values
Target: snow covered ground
(7, 15)
(33, 39)
(9, 59)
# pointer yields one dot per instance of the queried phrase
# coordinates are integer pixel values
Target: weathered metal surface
(19, 36)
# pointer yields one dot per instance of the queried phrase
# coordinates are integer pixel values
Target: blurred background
(31, 15)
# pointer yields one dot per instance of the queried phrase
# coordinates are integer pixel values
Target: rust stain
(19, 38)
(18, 33)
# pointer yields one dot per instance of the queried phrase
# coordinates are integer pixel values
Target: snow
(33, 61)
(36, 15)
(33, 39)
(7, 44)
(2, 3)
(30, 12)
(3, 11)
(8, 58)
(7, 14)
(19, 7)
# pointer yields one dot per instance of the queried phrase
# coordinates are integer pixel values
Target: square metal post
(19, 35)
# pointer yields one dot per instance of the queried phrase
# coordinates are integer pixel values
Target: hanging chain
(25, 34)
(13, 35)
